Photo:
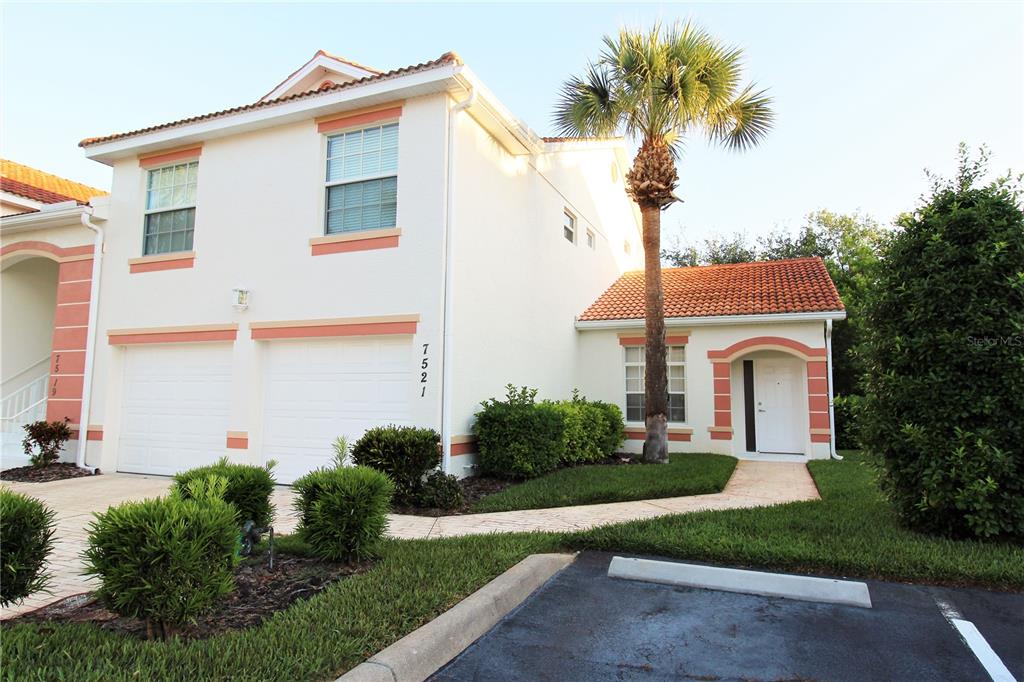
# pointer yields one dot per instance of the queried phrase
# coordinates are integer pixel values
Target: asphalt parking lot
(583, 625)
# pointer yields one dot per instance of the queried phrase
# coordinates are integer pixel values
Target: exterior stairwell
(20, 406)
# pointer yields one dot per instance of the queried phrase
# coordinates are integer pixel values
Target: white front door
(777, 392)
(174, 407)
(315, 391)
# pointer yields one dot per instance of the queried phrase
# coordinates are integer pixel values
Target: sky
(867, 96)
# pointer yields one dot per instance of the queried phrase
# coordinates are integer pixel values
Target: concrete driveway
(583, 625)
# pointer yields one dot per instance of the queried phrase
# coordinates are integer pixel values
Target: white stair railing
(25, 405)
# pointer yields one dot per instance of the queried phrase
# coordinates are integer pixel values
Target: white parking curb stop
(804, 588)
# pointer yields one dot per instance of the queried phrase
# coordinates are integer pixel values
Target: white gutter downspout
(449, 240)
(90, 342)
(831, 407)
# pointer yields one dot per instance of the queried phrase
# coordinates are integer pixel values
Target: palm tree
(657, 87)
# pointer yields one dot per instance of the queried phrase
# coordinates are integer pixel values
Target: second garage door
(315, 391)
(174, 407)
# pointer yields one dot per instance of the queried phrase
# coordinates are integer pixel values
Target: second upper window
(362, 180)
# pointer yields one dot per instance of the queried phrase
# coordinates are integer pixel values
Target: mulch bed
(57, 471)
(259, 594)
(475, 488)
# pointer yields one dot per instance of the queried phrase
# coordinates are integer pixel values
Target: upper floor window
(591, 240)
(569, 226)
(170, 208)
(635, 375)
(362, 179)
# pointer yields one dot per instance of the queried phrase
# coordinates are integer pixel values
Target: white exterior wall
(260, 198)
(518, 283)
(29, 291)
(601, 376)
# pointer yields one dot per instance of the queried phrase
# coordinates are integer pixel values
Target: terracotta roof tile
(32, 183)
(448, 58)
(800, 285)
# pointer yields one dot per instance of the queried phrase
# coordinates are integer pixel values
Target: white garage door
(315, 391)
(174, 407)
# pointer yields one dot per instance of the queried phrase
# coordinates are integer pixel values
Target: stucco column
(722, 429)
(817, 401)
(70, 330)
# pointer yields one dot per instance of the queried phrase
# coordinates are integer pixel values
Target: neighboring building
(749, 356)
(359, 248)
(44, 292)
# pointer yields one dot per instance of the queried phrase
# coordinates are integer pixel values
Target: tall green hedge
(945, 360)
(519, 438)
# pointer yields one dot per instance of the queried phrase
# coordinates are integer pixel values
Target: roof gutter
(449, 256)
(708, 320)
(90, 341)
(831, 393)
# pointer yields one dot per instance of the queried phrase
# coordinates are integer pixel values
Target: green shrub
(518, 438)
(945, 360)
(343, 511)
(44, 440)
(847, 411)
(166, 560)
(248, 488)
(585, 430)
(26, 540)
(614, 427)
(441, 491)
(404, 453)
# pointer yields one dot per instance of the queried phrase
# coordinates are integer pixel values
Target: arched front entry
(771, 396)
(46, 290)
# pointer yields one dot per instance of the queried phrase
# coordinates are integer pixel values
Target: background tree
(657, 87)
(945, 357)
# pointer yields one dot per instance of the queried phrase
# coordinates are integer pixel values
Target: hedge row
(519, 438)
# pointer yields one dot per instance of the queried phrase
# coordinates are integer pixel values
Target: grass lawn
(315, 639)
(851, 532)
(689, 474)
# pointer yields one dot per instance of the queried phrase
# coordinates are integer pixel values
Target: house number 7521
(424, 363)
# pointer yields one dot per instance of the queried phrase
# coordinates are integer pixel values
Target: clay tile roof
(447, 59)
(47, 188)
(799, 285)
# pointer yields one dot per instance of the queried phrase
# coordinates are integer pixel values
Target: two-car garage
(176, 401)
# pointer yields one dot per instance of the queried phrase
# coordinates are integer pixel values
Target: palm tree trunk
(656, 378)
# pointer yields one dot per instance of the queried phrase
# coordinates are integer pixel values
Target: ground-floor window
(635, 371)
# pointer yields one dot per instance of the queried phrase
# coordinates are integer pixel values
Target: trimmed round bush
(944, 353)
(614, 427)
(343, 511)
(166, 560)
(518, 438)
(404, 453)
(26, 540)
(441, 491)
(585, 430)
(248, 488)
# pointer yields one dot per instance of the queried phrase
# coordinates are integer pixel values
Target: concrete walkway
(753, 484)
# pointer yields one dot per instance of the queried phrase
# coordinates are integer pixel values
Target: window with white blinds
(362, 179)
(170, 209)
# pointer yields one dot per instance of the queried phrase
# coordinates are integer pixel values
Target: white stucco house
(361, 247)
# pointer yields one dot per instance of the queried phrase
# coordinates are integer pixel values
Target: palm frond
(745, 121)
(588, 107)
(663, 83)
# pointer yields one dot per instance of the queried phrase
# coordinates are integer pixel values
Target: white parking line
(978, 645)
